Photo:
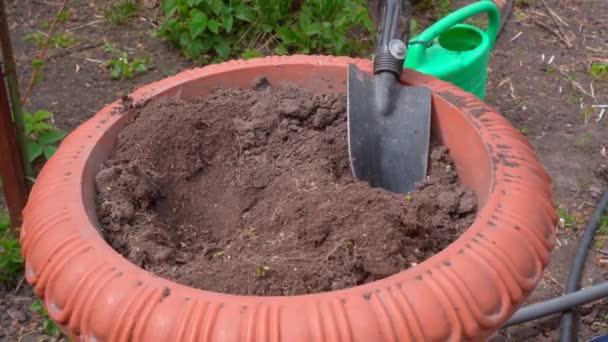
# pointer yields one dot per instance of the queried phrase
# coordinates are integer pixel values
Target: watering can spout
(461, 52)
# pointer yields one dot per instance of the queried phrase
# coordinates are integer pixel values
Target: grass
(599, 71)
(120, 11)
(601, 235)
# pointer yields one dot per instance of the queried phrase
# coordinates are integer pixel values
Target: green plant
(62, 17)
(120, 11)
(601, 235)
(60, 40)
(325, 29)
(11, 261)
(566, 219)
(599, 71)
(49, 327)
(215, 30)
(41, 136)
(121, 67)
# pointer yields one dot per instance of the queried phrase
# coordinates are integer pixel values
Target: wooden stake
(13, 88)
(11, 165)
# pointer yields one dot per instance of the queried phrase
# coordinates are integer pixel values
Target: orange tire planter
(465, 292)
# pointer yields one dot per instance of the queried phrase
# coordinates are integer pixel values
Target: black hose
(572, 298)
(506, 13)
(558, 304)
(567, 324)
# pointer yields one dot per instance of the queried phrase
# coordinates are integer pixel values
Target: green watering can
(462, 52)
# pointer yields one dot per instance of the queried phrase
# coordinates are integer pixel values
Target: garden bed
(250, 192)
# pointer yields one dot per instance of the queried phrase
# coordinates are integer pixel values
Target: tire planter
(465, 292)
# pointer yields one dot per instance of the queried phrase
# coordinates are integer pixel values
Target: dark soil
(250, 192)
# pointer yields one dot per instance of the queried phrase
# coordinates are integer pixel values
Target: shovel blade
(388, 131)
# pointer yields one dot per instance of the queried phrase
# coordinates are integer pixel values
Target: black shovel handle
(391, 46)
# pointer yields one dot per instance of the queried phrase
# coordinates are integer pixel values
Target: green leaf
(42, 115)
(223, 49)
(34, 150)
(287, 35)
(244, 13)
(51, 137)
(227, 20)
(216, 6)
(36, 306)
(312, 29)
(37, 63)
(50, 328)
(194, 2)
(41, 127)
(28, 128)
(249, 53)
(169, 6)
(281, 50)
(49, 151)
(198, 23)
(214, 26)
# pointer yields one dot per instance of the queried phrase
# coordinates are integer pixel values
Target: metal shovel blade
(388, 131)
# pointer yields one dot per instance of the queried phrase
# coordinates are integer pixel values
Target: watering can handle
(417, 51)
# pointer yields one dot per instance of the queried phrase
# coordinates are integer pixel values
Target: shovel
(388, 123)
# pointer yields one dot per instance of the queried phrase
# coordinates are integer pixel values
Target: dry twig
(42, 54)
(556, 20)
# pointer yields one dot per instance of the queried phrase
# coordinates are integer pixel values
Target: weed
(525, 131)
(251, 53)
(49, 327)
(41, 136)
(408, 197)
(549, 70)
(60, 40)
(601, 235)
(566, 220)
(213, 30)
(262, 271)
(574, 98)
(586, 113)
(11, 261)
(218, 254)
(62, 17)
(120, 11)
(586, 138)
(599, 71)
(121, 67)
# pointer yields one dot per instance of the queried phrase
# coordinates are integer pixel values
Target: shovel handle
(391, 49)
